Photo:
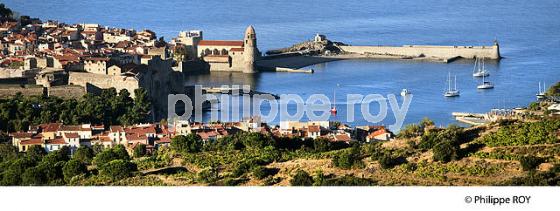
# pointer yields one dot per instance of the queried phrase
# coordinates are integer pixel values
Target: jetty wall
(468, 52)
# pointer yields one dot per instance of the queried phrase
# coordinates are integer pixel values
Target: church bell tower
(250, 50)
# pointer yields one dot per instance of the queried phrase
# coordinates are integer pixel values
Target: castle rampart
(104, 81)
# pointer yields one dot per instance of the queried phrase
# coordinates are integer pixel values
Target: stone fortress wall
(66, 91)
(27, 90)
(468, 52)
(104, 81)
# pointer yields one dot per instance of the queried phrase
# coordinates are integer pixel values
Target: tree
(301, 178)
(51, 172)
(36, 152)
(142, 106)
(120, 152)
(5, 13)
(73, 168)
(116, 153)
(57, 156)
(83, 154)
(10, 177)
(118, 169)
(180, 54)
(426, 122)
(189, 143)
(8, 152)
(33, 176)
(139, 150)
(444, 152)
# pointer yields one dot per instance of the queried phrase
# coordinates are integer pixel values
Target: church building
(231, 55)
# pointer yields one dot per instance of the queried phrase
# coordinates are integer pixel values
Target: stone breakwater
(427, 51)
(323, 50)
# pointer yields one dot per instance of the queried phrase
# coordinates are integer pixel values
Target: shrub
(387, 161)
(348, 159)
(208, 175)
(410, 131)
(139, 150)
(260, 172)
(444, 152)
(530, 162)
(301, 178)
(542, 132)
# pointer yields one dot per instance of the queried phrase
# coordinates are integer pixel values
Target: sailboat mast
(539, 88)
(455, 83)
(448, 81)
(475, 64)
(334, 98)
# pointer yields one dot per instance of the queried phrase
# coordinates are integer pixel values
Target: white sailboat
(451, 92)
(485, 84)
(479, 69)
(333, 109)
(405, 92)
(540, 94)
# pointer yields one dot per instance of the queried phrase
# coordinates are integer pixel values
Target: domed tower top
(250, 37)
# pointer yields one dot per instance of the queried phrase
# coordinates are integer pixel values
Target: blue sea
(526, 30)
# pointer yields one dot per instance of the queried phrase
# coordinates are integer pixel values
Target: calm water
(527, 32)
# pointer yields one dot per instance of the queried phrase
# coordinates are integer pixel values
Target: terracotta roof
(104, 139)
(208, 134)
(221, 42)
(136, 137)
(21, 135)
(342, 137)
(116, 128)
(71, 135)
(314, 128)
(237, 49)
(35, 141)
(56, 141)
(163, 140)
(73, 128)
(50, 127)
(377, 132)
(141, 130)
